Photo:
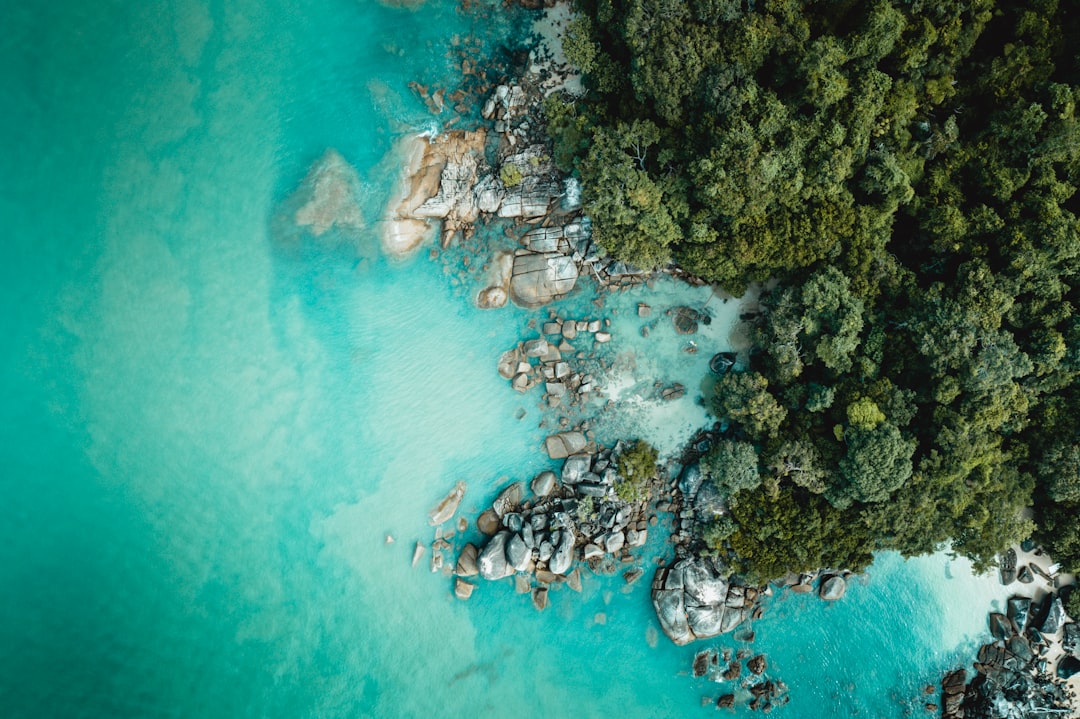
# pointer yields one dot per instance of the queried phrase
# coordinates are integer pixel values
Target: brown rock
(757, 664)
(726, 701)
(462, 589)
(466, 563)
(488, 522)
(540, 598)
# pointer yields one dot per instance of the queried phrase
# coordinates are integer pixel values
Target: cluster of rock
(540, 361)
(764, 693)
(571, 516)
(695, 600)
(1009, 572)
(1022, 671)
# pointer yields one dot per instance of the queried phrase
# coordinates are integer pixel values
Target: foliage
(637, 465)
(731, 466)
(907, 172)
(510, 174)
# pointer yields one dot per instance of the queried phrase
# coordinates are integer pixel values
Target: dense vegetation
(907, 170)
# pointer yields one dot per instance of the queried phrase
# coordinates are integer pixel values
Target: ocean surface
(210, 420)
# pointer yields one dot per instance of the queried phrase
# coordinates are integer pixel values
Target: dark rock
(1020, 649)
(1071, 638)
(733, 671)
(1068, 667)
(1000, 626)
(726, 701)
(575, 467)
(702, 661)
(757, 664)
(1055, 618)
(513, 521)
(1024, 575)
(1007, 568)
(1018, 608)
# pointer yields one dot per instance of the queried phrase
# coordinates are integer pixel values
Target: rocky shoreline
(1032, 665)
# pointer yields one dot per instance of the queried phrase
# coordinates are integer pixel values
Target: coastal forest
(903, 176)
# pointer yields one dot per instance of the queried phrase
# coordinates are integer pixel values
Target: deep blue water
(208, 425)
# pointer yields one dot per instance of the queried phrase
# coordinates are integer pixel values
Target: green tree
(636, 466)
(732, 466)
(744, 400)
(877, 463)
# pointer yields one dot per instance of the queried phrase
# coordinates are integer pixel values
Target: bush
(636, 466)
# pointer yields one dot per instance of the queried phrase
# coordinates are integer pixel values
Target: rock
(636, 537)
(512, 521)
(602, 337)
(1020, 649)
(518, 553)
(535, 347)
(613, 542)
(1018, 609)
(575, 467)
(685, 320)
(569, 330)
(446, 507)
(560, 446)
(492, 561)
(1068, 667)
(706, 622)
(564, 553)
(418, 552)
(540, 598)
(1070, 638)
(544, 551)
(462, 589)
(522, 585)
(573, 580)
(509, 499)
(488, 522)
(632, 575)
(1055, 618)
(1000, 626)
(757, 664)
(543, 483)
(592, 551)
(702, 662)
(466, 563)
(331, 191)
(733, 672)
(726, 701)
(520, 382)
(491, 298)
(832, 588)
(591, 489)
(671, 612)
(643, 310)
(1007, 567)
(1024, 575)
(539, 278)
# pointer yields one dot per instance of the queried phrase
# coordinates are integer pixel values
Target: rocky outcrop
(540, 277)
(832, 588)
(693, 600)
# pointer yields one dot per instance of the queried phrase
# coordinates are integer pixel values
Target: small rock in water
(540, 598)
(488, 522)
(389, 539)
(466, 564)
(726, 701)
(600, 619)
(462, 589)
(757, 664)
(573, 580)
(462, 524)
(418, 552)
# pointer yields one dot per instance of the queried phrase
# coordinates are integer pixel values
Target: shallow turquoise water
(209, 425)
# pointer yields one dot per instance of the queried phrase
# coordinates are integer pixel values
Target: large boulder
(702, 585)
(832, 588)
(1018, 609)
(564, 444)
(539, 278)
(509, 498)
(492, 562)
(671, 612)
(575, 467)
(563, 556)
(1055, 618)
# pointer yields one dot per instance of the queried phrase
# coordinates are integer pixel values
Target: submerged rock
(447, 506)
(332, 192)
(561, 446)
(463, 590)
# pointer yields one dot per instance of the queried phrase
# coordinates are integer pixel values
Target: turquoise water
(210, 421)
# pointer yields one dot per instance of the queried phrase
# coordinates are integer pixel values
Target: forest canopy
(907, 172)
